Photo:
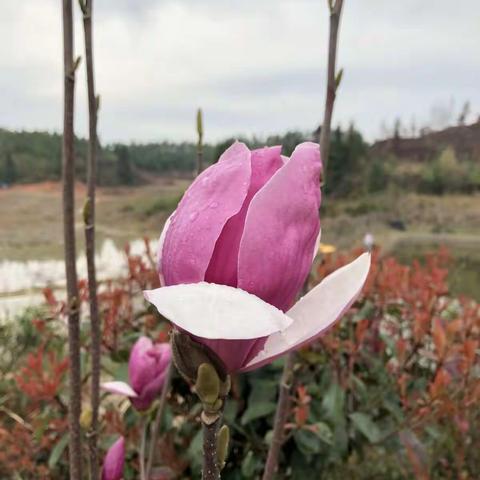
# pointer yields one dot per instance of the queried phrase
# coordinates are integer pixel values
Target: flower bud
(114, 461)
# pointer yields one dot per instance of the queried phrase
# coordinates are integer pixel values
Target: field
(407, 224)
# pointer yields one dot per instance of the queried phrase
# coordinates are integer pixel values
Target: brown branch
(282, 411)
(158, 420)
(332, 82)
(75, 445)
(89, 220)
(211, 468)
(281, 415)
(199, 141)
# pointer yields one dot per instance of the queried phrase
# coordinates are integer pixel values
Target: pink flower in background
(236, 252)
(114, 461)
(147, 369)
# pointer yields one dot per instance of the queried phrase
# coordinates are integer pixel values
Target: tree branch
(158, 420)
(211, 467)
(281, 415)
(333, 81)
(68, 172)
(199, 141)
(89, 220)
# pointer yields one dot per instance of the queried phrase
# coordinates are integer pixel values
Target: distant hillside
(464, 139)
(29, 157)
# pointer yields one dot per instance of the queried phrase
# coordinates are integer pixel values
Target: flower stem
(141, 451)
(158, 420)
(281, 415)
(211, 468)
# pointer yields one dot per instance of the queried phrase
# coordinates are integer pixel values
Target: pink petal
(223, 266)
(212, 199)
(141, 366)
(281, 228)
(114, 461)
(215, 311)
(150, 392)
(234, 353)
(161, 241)
(317, 311)
(121, 388)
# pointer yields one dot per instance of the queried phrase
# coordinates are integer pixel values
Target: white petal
(317, 310)
(161, 241)
(121, 388)
(216, 311)
(317, 244)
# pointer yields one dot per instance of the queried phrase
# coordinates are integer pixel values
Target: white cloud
(255, 67)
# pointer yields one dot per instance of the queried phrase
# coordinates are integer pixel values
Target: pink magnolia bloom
(114, 461)
(147, 369)
(236, 252)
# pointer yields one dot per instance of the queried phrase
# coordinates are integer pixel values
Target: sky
(254, 66)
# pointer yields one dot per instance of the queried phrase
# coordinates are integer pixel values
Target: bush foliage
(391, 392)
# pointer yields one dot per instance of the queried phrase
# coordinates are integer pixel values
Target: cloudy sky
(254, 66)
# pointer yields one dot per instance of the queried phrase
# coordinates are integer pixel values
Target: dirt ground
(31, 221)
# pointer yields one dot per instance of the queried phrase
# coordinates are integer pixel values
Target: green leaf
(249, 465)
(365, 425)
(307, 442)
(257, 410)
(195, 451)
(57, 451)
(323, 432)
(333, 402)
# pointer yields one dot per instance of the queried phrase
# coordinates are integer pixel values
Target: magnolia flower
(114, 461)
(147, 369)
(236, 252)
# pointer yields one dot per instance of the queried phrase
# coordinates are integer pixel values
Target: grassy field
(31, 217)
(31, 221)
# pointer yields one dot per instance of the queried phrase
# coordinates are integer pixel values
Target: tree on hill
(124, 167)
(9, 170)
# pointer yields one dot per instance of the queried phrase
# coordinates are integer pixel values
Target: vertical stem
(158, 420)
(199, 141)
(281, 415)
(211, 469)
(335, 11)
(75, 446)
(141, 451)
(89, 219)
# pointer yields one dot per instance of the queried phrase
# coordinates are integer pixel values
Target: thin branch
(158, 420)
(211, 468)
(333, 80)
(75, 448)
(141, 450)
(281, 415)
(89, 220)
(199, 141)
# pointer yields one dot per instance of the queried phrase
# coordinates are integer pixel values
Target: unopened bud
(86, 418)
(223, 439)
(207, 385)
(188, 355)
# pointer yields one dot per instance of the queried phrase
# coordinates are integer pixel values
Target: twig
(158, 420)
(141, 450)
(281, 414)
(199, 141)
(89, 221)
(211, 468)
(333, 81)
(75, 448)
